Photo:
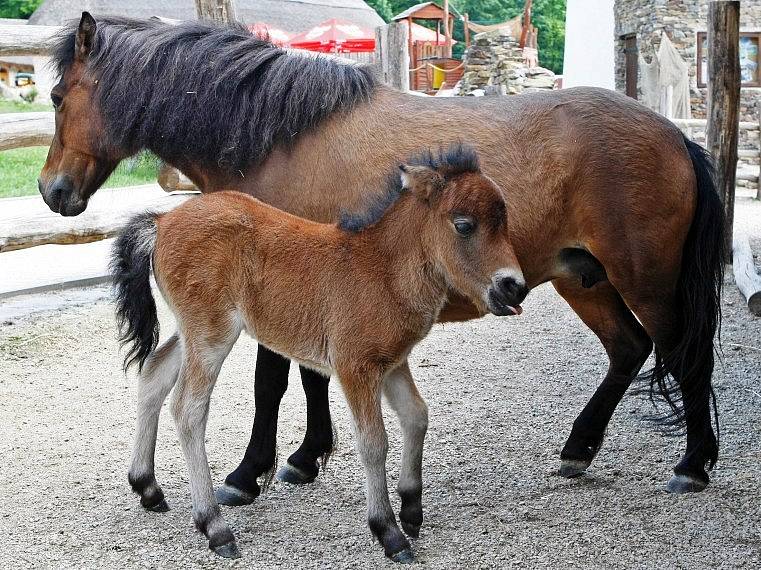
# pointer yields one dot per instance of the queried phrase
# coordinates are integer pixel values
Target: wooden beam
(724, 102)
(748, 281)
(26, 40)
(466, 21)
(216, 10)
(392, 55)
(19, 130)
(447, 31)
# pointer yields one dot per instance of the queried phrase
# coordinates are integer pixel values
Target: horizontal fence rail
(18, 130)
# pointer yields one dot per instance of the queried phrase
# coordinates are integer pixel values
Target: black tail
(698, 304)
(131, 271)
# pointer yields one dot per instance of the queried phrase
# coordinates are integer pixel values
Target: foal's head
(466, 231)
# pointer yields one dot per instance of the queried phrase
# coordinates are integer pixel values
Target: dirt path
(502, 394)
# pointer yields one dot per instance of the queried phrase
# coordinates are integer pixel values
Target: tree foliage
(18, 8)
(547, 15)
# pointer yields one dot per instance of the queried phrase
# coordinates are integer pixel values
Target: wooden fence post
(217, 10)
(392, 55)
(758, 181)
(724, 102)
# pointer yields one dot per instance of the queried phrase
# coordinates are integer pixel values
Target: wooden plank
(26, 40)
(216, 10)
(748, 281)
(26, 129)
(702, 123)
(724, 102)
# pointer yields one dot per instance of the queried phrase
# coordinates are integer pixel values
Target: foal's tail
(131, 271)
(698, 305)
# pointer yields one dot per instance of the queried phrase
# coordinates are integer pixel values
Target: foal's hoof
(160, 507)
(681, 484)
(570, 468)
(404, 557)
(232, 497)
(293, 475)
(227, 550)
(411, 530)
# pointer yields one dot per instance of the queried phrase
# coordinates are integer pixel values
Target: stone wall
(682, 20)
(494, 62)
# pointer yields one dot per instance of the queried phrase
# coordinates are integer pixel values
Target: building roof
(290, 15)
(423, 11)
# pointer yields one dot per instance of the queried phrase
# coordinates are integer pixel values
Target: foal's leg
(627, 345)
(270, 383)
(401, 393)
(156, 381)
(203, 361)
(302, 467)
(362, 390)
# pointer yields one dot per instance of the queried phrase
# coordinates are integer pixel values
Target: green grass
(19, 169)
(22, 107)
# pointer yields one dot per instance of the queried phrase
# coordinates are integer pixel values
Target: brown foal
(369, 289)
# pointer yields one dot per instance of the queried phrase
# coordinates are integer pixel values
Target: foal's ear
(422, 181)
(85, 36)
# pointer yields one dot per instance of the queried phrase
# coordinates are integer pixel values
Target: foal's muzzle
(60, 197)
(506, 293)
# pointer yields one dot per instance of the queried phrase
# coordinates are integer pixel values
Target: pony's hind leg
(362, 390)
(201, 366)
(401, 393)
(270, 382)
(156, 381)
(628, 346)
(302, 466)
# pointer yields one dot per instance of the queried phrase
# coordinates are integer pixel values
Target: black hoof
(232, 497)
(227, 550)
(160, 507)
(293, 475)
(681, 484)
(411, 530)
(570, 468)
(403, 557)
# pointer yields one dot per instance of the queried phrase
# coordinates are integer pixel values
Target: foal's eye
(57, 99)
(464, 226)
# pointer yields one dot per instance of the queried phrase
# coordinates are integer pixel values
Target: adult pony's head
(213, 98)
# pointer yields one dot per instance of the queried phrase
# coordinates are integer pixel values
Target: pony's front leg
(156, 381)
(363, 396)
(401, 393)
(191, 410)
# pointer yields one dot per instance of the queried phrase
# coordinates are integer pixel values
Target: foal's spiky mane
(212, 95)
(449, 161)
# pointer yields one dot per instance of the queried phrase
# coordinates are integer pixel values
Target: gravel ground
(502, 393)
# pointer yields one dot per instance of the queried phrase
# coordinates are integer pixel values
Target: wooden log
(748, 281)
(392, 55)
(26, 40)
(758, 182)
(702, 123)
(19, 130)
(724, 102)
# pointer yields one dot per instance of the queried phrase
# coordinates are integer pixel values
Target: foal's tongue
(517, 309)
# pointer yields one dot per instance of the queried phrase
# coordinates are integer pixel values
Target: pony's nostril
(513, 290)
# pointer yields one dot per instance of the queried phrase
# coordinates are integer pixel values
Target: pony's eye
(57, 100)
(464, 226)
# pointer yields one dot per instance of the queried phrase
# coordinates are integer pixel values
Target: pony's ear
(85, 36)
(422, 181)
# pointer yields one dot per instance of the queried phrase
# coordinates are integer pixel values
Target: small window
(749, 60)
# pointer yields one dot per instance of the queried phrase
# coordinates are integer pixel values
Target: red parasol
(335, 36)
(266, 32)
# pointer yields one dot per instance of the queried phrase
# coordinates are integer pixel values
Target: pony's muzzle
(505, 294)
(60, 197)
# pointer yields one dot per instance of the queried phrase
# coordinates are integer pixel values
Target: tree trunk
(724, 102)
(217, 10)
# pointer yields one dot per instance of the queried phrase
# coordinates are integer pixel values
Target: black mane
(213, 95)
(450, 161)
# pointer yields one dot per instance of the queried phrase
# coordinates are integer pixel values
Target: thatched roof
(290, 15)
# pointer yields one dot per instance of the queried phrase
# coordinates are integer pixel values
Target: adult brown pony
(607, 200)
(368, 292)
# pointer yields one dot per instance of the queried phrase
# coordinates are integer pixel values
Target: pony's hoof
(293, 475)
(160, 507)
(228, 550)
(232, 497)
(570, 468)
(403, 557)
(681, 484)
(411, 530)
